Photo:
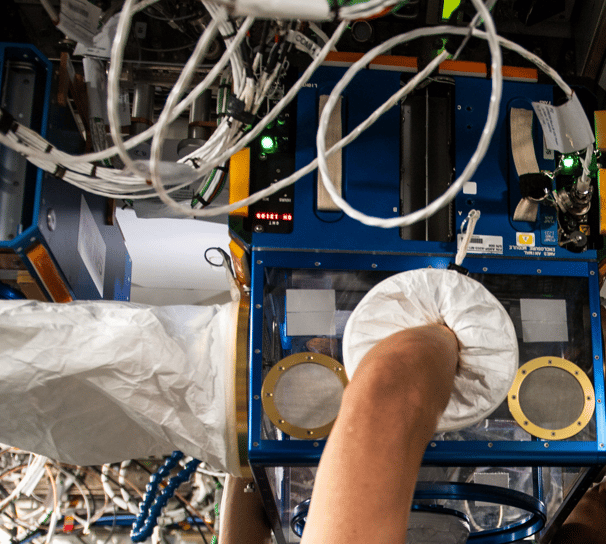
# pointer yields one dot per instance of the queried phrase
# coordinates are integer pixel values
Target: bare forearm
(367, 474)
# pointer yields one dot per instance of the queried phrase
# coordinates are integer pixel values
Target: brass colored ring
(269, 386)
(241, 383)
(513, 398)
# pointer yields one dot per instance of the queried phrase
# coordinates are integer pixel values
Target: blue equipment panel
(371, 173)
(514, 260)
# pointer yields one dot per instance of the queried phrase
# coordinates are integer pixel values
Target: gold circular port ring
(269, 386)
(513, 398)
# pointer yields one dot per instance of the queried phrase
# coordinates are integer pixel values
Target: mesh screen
(551, 398)
(308, 395)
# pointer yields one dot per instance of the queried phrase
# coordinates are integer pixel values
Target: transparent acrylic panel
(564, 332)
(293, 485)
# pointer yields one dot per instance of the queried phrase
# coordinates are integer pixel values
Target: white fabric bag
(96, 382)
(489, 348)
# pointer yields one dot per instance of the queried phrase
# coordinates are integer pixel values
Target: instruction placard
(566, 127)
(91, 246)
(79, 20)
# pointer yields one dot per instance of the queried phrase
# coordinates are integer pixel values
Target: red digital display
(268, 216)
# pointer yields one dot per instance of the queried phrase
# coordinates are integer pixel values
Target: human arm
(366, 477)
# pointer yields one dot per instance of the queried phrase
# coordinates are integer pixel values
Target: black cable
(246, 52)
(98, 471)
(169, 19)
(111, 533)
(264, 32)
(169, 49)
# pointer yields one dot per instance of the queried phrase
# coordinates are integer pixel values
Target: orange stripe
(463, 67)
(334, 56)
(512, 72)
(48, 274)
(395, 60)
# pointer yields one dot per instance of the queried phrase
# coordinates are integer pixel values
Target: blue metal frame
(451, 453)
(30, 53)
(31, 234)
(65, 200)
(371, 171)
(333, 241)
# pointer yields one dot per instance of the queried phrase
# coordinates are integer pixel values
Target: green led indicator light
(568, 162)
(268, 143)
(448, 7)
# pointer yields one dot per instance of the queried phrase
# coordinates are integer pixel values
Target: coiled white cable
(135, 185)
(474, 161)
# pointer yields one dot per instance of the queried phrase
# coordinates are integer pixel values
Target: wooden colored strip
(49, 274)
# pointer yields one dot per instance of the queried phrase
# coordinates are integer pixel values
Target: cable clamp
(6, 121)
(60, 171)
(336, 9)
(236, 109)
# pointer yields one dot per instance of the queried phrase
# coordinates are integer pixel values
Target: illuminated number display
(269, 216)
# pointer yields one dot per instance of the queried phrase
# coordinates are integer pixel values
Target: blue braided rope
(152, 504)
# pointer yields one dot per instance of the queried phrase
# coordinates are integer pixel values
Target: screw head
(258, 228)
(51, 219)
